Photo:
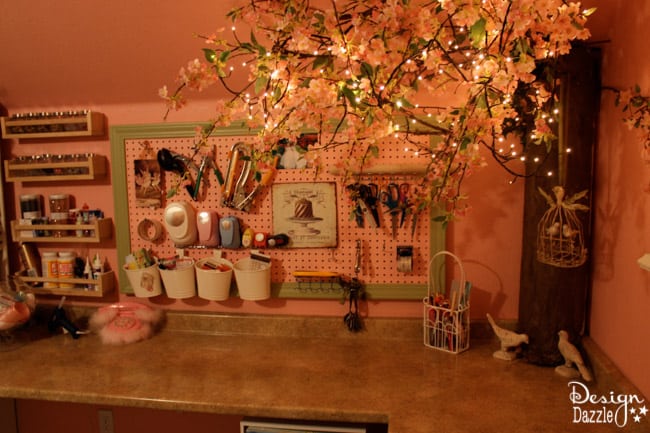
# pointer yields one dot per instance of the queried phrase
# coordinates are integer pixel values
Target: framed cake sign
(306, 212)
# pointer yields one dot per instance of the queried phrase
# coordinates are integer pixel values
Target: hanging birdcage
(560, 237)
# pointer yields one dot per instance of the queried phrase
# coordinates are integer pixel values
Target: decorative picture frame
(148, 187)
(304, 212)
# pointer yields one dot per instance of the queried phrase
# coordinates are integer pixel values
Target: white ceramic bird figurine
(510, 340)
(572, 356)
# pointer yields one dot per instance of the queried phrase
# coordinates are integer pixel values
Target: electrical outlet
(105, 421)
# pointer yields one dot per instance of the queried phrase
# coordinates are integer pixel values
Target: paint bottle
(66, 268)
(50, 268)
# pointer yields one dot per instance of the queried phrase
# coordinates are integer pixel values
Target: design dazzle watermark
(614, 409)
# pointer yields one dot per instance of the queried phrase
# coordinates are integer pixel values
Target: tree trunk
(554, 298)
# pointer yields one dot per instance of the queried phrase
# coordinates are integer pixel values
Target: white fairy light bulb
(522, 158)
(549, 173)
(568, 150)
(536, 159)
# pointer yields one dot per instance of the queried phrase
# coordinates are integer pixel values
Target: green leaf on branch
(477, 32)
(349, 95)
(321, 62)
(209, 54)
(260, 84)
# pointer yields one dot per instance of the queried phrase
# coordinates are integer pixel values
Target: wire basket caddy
(446, 314)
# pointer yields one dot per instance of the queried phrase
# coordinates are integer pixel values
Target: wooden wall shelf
(83, 124)
(101, 229)
(83, 287)
(90, 168)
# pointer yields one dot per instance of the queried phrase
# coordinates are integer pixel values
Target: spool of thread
(405, 258)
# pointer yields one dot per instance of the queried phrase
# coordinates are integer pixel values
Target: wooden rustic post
(554, 298)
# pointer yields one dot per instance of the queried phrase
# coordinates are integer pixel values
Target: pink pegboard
(379, 249)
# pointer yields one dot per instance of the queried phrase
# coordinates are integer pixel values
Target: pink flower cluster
(354, 69)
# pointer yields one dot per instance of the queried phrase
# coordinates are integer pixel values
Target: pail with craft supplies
(179, 278)
(213, 278)
(253, 279)
(145, 282)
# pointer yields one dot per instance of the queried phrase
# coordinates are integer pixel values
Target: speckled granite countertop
(300, 368)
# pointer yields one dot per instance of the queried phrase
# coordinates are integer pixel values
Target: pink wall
(620, 310)
(114, 62)
(112, 57)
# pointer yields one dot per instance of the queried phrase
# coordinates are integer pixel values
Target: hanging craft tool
(404, 202)
(390, 198)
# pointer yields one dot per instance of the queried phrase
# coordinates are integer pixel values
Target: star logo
(643, 411)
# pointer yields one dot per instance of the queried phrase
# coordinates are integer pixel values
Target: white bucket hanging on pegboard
(560, 237)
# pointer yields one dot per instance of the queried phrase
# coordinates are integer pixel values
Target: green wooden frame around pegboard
(120, 134)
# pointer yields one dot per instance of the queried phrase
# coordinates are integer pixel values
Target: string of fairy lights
(458, 61)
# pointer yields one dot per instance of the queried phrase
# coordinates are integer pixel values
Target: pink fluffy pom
(126, 322)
